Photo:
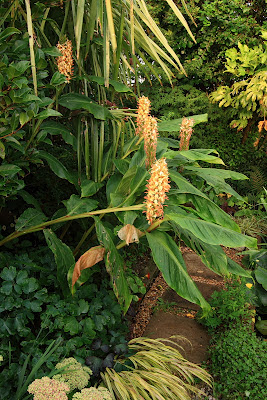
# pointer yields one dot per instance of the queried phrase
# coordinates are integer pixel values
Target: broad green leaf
(88, 327)
(9, 170)
(71, 325)
(49, 112)
(89, 188)
(215, 178)
(169, 260)
(22, 66)
(118, 86)
(195, 155)
(8, 274)
(114, 265)
(75, 205)
(63, 257)
(206, 208)
(30, 218)
(57, 79)
(56, 166)
(211, 233)
(8, 32)
(236, 269)
(55, 128)
(52, 51)
(212, 256)
(175, 124)
(122, 166)
(76, 101)
(220, 173)
(261, 276)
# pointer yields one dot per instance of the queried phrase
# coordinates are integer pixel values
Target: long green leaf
(76, 101)
(56, 166)
(175, 124)
(211, 233)
(75, 205)
(114, 265)
(79, 24)
(28, 218)
(206, 208)
(169, 260)
(63, 257)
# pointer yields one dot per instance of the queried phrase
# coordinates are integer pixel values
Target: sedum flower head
(186, 131)
(48, 389)
(74, 374)
(142, 113)
(157, 187)
(65, 62)
(93, 394)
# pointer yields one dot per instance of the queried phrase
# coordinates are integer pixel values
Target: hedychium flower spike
(150, 134)
(157, 187)
(186, 131)
(142, 113)
(65, 62)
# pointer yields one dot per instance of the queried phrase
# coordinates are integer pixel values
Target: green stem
(67, 218)
(30, 32)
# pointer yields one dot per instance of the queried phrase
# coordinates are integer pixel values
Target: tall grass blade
(78, 25)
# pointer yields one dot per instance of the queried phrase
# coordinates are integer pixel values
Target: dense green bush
(238, 365)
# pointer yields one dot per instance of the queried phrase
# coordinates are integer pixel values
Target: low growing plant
(156, 369)
(229, 306)
(238, 364)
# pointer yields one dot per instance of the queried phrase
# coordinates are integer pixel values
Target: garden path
(175, 315)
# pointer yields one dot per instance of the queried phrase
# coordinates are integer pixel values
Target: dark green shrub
(238, 365)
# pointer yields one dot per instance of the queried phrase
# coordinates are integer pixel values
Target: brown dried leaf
(87, 260)
(129, 233)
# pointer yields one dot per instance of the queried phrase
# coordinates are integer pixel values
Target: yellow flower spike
(150, 134)
(186, 131)
(249, 285)
(157, 187)
(142, 113)
(65, 62)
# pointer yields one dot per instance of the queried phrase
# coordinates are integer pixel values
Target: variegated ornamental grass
(159, 372)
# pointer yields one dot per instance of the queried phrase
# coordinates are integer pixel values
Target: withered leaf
(87, 260)
(129, 233)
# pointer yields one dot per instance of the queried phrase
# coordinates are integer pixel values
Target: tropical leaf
(30, 218)
(175, 124)
(211, 255)
(114, 265)
(76, 101)
(206, 208)
(75, 205)
(63, 257)
(211, 233)
(56, 166)
(169, 260)
(89, 188)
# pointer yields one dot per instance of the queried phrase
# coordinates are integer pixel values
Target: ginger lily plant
(189, 213)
